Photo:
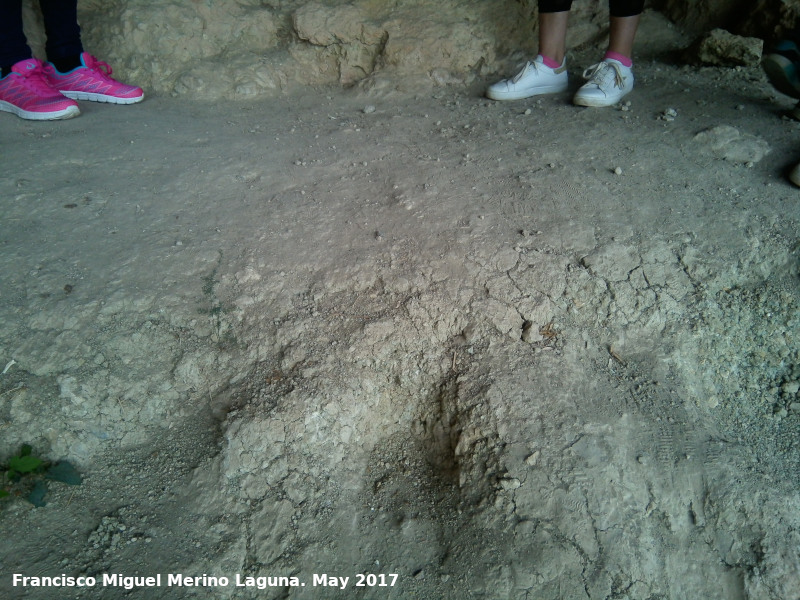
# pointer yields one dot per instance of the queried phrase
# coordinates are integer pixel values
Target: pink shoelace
(36, 80)
(98, 66)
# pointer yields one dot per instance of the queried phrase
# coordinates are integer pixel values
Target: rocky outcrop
(769, 19)
(722, 48)
(239, 49)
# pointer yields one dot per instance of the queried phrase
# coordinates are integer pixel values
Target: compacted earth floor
(399, 342)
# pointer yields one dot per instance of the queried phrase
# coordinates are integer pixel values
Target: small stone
(533, 459)
(369, 108)
(668, 115)
(527, 111)
(617, 170)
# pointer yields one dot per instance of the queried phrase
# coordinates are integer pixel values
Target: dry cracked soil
(499, 350)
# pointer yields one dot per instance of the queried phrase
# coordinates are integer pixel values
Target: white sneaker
(534, 79)
(608, 82)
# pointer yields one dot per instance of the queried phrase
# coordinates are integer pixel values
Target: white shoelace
(523, 72)
(600, 74)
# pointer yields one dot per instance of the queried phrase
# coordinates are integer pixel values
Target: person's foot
(26, 92)
(794, 175)
(607, 83)
(92, 81)
(782, 67)
(534, 79)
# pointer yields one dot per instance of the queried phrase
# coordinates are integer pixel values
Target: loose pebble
(669, 114)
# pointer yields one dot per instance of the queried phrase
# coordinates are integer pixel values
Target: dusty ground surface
(410, 332)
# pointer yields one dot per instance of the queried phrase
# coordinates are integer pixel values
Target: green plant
(27, 475)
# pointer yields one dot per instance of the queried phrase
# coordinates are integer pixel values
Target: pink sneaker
(92, 81)
(27, 93)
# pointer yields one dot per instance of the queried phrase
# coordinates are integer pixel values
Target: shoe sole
(520, 95)
(596, 102)
(56, 115)
(782, 74)
(100, 97)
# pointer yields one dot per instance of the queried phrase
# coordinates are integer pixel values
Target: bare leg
(553, 34)
(623, 30)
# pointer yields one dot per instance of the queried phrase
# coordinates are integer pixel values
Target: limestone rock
(722, 48)
(327, 25)
(342, 35)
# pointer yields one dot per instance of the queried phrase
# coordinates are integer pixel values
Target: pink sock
(549, 62)
(625, 60)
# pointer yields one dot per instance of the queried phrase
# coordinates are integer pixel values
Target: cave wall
(767, 19)
(225, 49)
(222, 49)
